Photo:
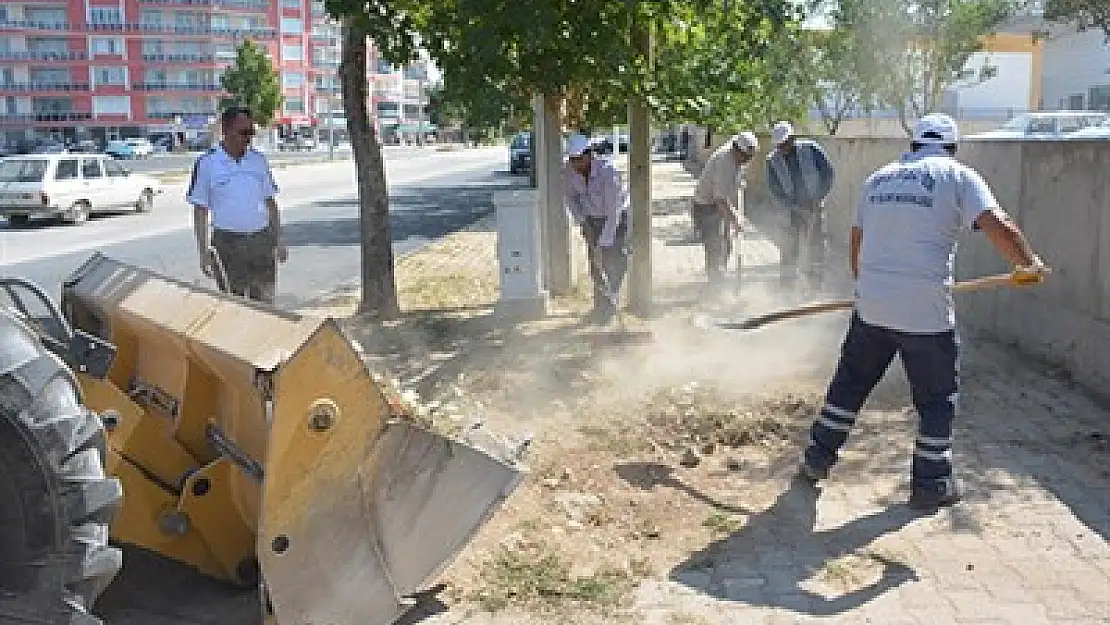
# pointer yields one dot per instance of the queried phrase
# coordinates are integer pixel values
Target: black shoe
(811, 474)
(943, 496)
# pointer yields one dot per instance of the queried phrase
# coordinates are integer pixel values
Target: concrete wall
(1059, 194)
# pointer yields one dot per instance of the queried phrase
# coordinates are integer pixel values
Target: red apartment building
(104, 69)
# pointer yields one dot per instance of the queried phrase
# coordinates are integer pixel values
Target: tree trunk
(379, 290)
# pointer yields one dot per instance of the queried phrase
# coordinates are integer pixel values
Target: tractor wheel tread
(52, 453)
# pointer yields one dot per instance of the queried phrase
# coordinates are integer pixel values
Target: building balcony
(33, 25)
(179, 58)
(177, 86)
(32, 55)
(250, 5)
(176, 114)
(39, 87)
(195, 31)
(44, 117)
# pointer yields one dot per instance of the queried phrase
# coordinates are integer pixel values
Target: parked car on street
(520, 153)
(1100, 131)
(70, 186)
(129, 148)
(1044, 125)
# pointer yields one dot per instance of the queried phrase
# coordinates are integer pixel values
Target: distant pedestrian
(800, 177)
(597, 200)
(715, 203)
(233, 191)
(902, 250)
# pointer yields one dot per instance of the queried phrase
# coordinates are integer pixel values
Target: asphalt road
(180, 162)
(432, 194)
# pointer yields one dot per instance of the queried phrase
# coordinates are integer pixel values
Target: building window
(105, 15)
(111, 105)
(106, 46)
(292, 80)
(291, 4)
(384, 67)
(109, 76)
(292, 53)
(292, 25)
(46, 16)
(225, 52)
(294, 106)
(389, 109)
(1099, 98)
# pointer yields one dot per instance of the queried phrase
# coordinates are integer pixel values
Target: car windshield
(23, 170)
(521, 142)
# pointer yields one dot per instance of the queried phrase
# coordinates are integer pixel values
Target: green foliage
(253, 82)
(713, 60)
(733, 65)
(1084, 14)
(905, 55)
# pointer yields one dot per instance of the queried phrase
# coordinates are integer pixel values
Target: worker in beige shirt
(714, 210)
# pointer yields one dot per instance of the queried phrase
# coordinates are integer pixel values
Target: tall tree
(1083, 14)
(253, 82)
(390, 24)
(730, 65)
(913, 52)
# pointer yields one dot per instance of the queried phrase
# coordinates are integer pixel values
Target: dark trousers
(713, 231)
(930, 361)
(248, 265)
(607, 264)
(806, 228)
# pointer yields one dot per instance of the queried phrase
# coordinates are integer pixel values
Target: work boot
(812, 474)
(943, 494)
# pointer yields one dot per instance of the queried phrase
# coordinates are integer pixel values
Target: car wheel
(145, 203)
(78, 213)
(19, 221)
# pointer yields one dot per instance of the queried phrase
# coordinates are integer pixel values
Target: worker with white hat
(800, 177)
(597, 200)
(714, 209)
(902, 250)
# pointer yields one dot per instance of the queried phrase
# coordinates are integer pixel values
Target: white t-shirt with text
(911, 213)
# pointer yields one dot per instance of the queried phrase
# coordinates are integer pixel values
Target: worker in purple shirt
(598, 202)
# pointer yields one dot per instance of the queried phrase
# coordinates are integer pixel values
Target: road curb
(174, 175)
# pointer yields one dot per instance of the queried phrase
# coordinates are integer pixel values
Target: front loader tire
(55, 500)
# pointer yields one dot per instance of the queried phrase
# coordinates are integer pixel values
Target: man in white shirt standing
(232, 191)
(598, 202)
(902, 251)
(714, 209)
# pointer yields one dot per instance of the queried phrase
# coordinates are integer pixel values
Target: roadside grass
(535, 575)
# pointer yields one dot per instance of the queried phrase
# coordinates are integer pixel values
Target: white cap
(577, 145)
(781, 132)
(940, 128)
(746, 141)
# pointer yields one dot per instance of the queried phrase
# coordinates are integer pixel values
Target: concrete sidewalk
(1029, 546)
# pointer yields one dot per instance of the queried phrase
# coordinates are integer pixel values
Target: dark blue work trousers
(931, 364)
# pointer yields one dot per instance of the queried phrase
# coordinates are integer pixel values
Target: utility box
(519, 255)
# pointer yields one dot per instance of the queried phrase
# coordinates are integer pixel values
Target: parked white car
(1044, 125)
(1101, 131)
(70, 186)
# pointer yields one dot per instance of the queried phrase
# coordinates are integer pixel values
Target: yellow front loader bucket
(254, 445)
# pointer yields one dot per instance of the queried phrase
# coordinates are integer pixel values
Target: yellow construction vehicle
(251, 444)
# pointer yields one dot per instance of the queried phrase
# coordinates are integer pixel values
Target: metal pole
(331, 122)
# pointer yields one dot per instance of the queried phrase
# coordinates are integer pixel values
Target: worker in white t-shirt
(902, 250)
(232, 191)
(715, 203)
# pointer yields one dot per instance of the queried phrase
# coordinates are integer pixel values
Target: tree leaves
(1084, 14)
(253, 82)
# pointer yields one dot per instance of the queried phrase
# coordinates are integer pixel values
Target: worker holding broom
(597, 200)
(902, 252)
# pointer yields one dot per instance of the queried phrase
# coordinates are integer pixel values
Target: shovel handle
(1015, 278)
